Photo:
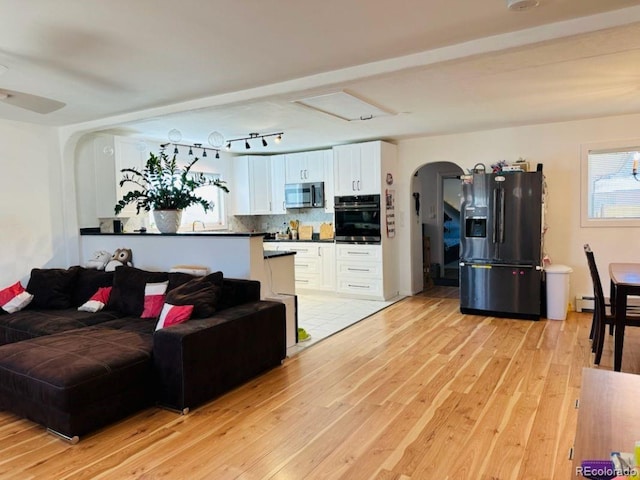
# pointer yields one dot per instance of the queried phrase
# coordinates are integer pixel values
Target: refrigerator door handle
(495, 215)
(501, 219)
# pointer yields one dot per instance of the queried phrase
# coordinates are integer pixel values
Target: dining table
(625, 282)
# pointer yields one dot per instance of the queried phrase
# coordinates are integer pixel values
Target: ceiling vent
(345, 106)
(522, 5)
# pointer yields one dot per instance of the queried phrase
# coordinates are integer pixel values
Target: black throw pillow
(127, 295)
(52, 288)
(201, 292)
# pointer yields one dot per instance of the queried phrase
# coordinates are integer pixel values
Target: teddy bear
(99, 260)
(122, 256)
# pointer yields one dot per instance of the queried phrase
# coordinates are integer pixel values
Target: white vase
(167, 221)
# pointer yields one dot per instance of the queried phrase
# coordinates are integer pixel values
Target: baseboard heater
(585, 304)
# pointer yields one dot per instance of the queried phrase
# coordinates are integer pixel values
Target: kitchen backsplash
(275, 223)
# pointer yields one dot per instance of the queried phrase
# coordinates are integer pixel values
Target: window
(610, 191)
(195, 219)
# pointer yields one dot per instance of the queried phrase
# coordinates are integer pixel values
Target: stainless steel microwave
(304, 195)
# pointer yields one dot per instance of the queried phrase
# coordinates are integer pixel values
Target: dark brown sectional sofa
(74, 372)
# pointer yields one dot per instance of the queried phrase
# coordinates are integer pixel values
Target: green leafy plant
(163, 185)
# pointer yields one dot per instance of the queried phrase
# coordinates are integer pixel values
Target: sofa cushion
(154, 294)
(29, 323)
(88, 282)
(201, 292)
(127, 295)
(173, 315)
(52, 288)
(14, 298)
(97, 301)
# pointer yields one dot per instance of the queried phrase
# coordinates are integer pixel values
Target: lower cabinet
(315, 263)
(359, 270)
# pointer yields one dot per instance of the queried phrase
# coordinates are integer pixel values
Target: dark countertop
(270, 237)
(273, 254)
(96, 231)
(330, 240)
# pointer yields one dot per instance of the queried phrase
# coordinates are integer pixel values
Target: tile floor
(322, 315)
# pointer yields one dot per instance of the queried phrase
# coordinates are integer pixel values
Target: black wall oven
(357, 219)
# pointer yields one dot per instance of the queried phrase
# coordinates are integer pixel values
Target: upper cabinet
(357, 169)
(277, 184)
(363, 168)
(252, 185)
(304, 167)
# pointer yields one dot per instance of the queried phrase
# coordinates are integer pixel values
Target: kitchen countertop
(329, 240)
(96, 231)
(273, 254)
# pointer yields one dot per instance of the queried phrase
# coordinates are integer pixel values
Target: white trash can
(557, 291)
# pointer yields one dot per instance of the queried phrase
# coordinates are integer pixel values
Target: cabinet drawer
(360, 286)
(359, 269)
(307, 281)
(359, 252)
(306, 264)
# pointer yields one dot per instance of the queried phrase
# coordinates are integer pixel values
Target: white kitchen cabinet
(328, 181)
(360, 270)
(304, 167)
(357, 169)
(252, 185)
(314, 263)
(327, 266)
(277, 184)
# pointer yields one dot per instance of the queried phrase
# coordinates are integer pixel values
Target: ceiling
(145, 67)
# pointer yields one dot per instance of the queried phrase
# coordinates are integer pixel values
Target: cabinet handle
(358, 286)
(301, 174)
(270, 205)
(302, 264)
(283, 206)
(319, 252)
(358, 269)
(306, 174)
(353, 185)
(357, 253)
(302, 280)
(359, 185)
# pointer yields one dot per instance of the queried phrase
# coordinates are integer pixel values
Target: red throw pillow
(173, 315)
(14, 298)
(97, 301)
(154, 294)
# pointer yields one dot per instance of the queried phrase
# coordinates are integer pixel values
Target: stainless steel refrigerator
(501, 244)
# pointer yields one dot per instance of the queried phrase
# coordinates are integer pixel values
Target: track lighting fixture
(216, 140)
(196, 146)
(247, 145)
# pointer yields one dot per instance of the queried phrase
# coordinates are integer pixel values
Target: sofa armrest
(203, 358)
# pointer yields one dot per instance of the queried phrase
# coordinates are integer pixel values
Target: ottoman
(79, 380)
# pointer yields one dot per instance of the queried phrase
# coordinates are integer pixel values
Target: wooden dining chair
(602, 315)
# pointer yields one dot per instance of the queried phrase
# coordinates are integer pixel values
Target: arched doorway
(437, 204)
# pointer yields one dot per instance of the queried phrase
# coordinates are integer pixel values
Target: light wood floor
(416, 391)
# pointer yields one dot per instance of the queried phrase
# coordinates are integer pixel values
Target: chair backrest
(595, 279)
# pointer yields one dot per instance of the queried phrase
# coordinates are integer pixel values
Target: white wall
(32, 213)
(557, 147)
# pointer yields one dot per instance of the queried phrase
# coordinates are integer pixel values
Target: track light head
(246, 144)
(228, 147)
(217, 154)
(264, 142)
(175, 150)
(278, 138)
(190, 151)
(204, 153)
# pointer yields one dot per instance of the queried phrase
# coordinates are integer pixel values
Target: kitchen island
(236, 254)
